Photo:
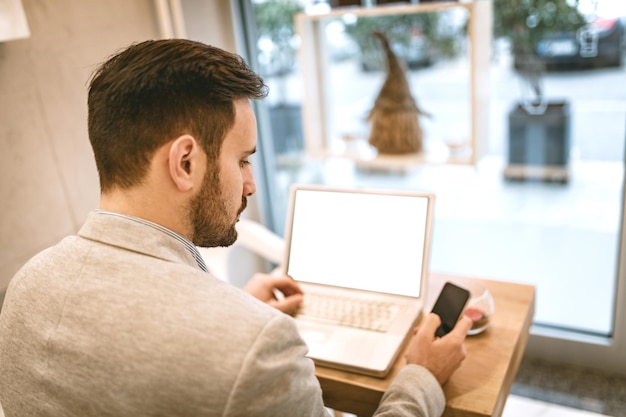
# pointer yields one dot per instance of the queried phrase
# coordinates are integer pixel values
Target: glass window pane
(541, 204)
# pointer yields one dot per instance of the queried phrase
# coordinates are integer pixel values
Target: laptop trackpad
(350, 347)
(317, 338)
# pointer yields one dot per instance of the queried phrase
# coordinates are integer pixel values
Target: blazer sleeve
(277, 379)
(414, 392)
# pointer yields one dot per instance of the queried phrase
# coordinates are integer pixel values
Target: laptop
(361, 257)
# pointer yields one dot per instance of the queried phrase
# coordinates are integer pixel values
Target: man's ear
(186, 162)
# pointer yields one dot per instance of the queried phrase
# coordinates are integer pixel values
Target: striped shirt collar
(188, 245)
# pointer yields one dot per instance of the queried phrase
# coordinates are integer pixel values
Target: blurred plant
(417, 37)
(525, 23)
(275, 25)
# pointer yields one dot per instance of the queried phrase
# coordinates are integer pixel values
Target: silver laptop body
(368, 250)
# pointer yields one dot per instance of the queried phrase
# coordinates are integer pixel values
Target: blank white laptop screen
(332, 235)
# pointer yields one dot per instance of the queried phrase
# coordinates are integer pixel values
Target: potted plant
(277, 59)
(538, 126)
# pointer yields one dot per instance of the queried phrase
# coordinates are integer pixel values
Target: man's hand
(441, 356)
(265, 286)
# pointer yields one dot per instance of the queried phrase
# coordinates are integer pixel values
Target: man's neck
(163, 211)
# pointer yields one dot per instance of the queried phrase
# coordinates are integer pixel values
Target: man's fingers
(462, 326)
(431, 322)
(288, 304)
(286, 285)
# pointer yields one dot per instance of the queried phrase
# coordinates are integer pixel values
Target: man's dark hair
(155, 91)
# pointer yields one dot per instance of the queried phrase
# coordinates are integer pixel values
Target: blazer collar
(125, 233)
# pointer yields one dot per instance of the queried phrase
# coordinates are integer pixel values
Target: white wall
(210, 21)
(48, 180)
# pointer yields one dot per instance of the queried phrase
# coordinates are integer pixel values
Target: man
(123, 319)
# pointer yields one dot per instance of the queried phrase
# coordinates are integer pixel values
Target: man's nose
(249, 186)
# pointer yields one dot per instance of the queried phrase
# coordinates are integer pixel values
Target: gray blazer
(120, 321)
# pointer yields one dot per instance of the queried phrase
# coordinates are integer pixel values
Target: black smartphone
(449, 307)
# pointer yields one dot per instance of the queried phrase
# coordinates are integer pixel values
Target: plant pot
(539, 144)
(286, 121)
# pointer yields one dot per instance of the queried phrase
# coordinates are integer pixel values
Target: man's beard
(210, 218)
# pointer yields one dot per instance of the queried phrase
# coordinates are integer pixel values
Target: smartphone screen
(449, 306)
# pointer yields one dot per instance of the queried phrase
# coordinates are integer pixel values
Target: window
(543, 200)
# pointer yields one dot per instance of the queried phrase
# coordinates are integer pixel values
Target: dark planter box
(539, 144)
(286, 121)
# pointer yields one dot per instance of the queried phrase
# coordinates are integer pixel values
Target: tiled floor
(573, 387)
(517, 406)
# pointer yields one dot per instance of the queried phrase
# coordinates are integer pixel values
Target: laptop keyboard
(352, 312)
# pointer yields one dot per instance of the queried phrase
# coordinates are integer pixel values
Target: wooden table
(482, 384)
